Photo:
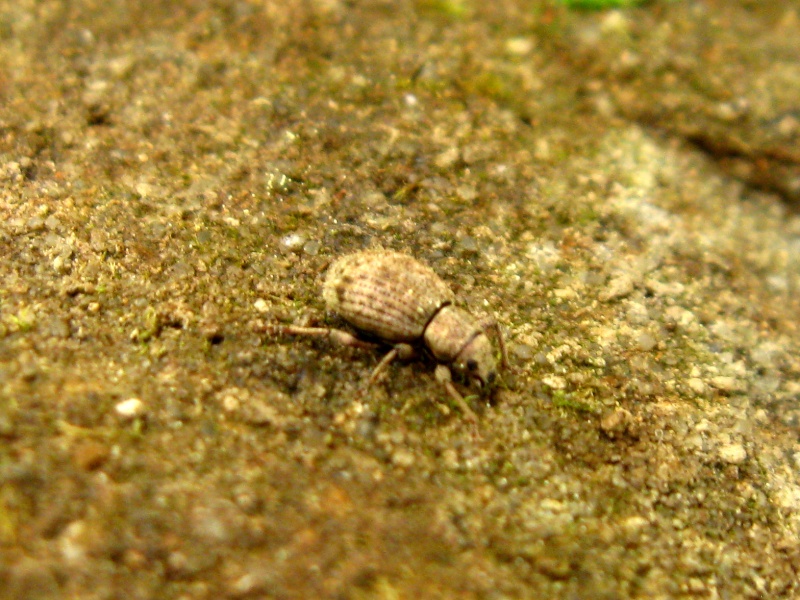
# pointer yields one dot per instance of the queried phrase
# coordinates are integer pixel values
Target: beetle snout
(484, 381)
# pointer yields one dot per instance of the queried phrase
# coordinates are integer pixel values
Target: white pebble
(733, 454)
(293, 241)
(696, 385)
(554, 382)
(727, 384)
(130, 408)
(621, 285)
(646, 341)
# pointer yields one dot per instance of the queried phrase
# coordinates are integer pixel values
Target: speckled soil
(618, 188)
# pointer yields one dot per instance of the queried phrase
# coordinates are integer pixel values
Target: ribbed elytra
(386, 294)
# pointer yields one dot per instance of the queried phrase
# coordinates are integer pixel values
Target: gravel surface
(618, 188)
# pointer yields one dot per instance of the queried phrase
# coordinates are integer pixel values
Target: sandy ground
(618, 188)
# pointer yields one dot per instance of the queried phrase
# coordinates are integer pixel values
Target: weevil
(392, 297)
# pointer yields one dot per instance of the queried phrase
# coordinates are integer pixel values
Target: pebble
(402, 458)
(733, 454)
(448, 158)
(467, 245)
(72, 542)
(696, 385)
(621, 285)
(293, 242)
(130, 408)
(766, 354)
(519, 46)
(554, 382)
(725, 383)
(616, 422)
(254, 582)
(311, 248)
(467, 193)
(646, 342)
(635, 523)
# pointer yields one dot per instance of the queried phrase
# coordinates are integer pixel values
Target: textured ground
(619, 189)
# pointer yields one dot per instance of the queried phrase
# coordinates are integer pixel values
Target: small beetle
(394, 298)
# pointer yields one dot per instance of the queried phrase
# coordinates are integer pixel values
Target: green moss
(572, 402)
(24, 320)
(450, 9)
(152, 326)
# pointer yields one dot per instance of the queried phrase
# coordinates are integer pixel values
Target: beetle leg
(490, 323)
(337, 336)
(402, 351)
(444, 377)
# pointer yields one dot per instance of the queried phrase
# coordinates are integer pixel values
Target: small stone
(72, 542)
(621, 285)
(467, 193)
(374, 199)
(519, 46)
(766, 354)
(410, 99)
(646, 342)
(293, 242)
(130, 408)
(447, 159)
(727, 384)
(637, 314)
(733, 454)
(695, 585)
(696, 385)
(311, 248)
(616, 422)
(565, 293)
(554, 382)
(670, 289)
(635, 523)
(402, 458)
(467, 245)
(230, 402)
(254, 582)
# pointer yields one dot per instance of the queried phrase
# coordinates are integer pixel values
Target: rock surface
(618, 188)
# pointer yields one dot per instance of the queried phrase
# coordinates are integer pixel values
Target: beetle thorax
(454, 337)
(448, 332)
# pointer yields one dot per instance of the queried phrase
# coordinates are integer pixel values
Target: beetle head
(477, 362)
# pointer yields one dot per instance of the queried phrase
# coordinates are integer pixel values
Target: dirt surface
(175, 178)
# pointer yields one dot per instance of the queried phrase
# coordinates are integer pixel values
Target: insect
(397, 300)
